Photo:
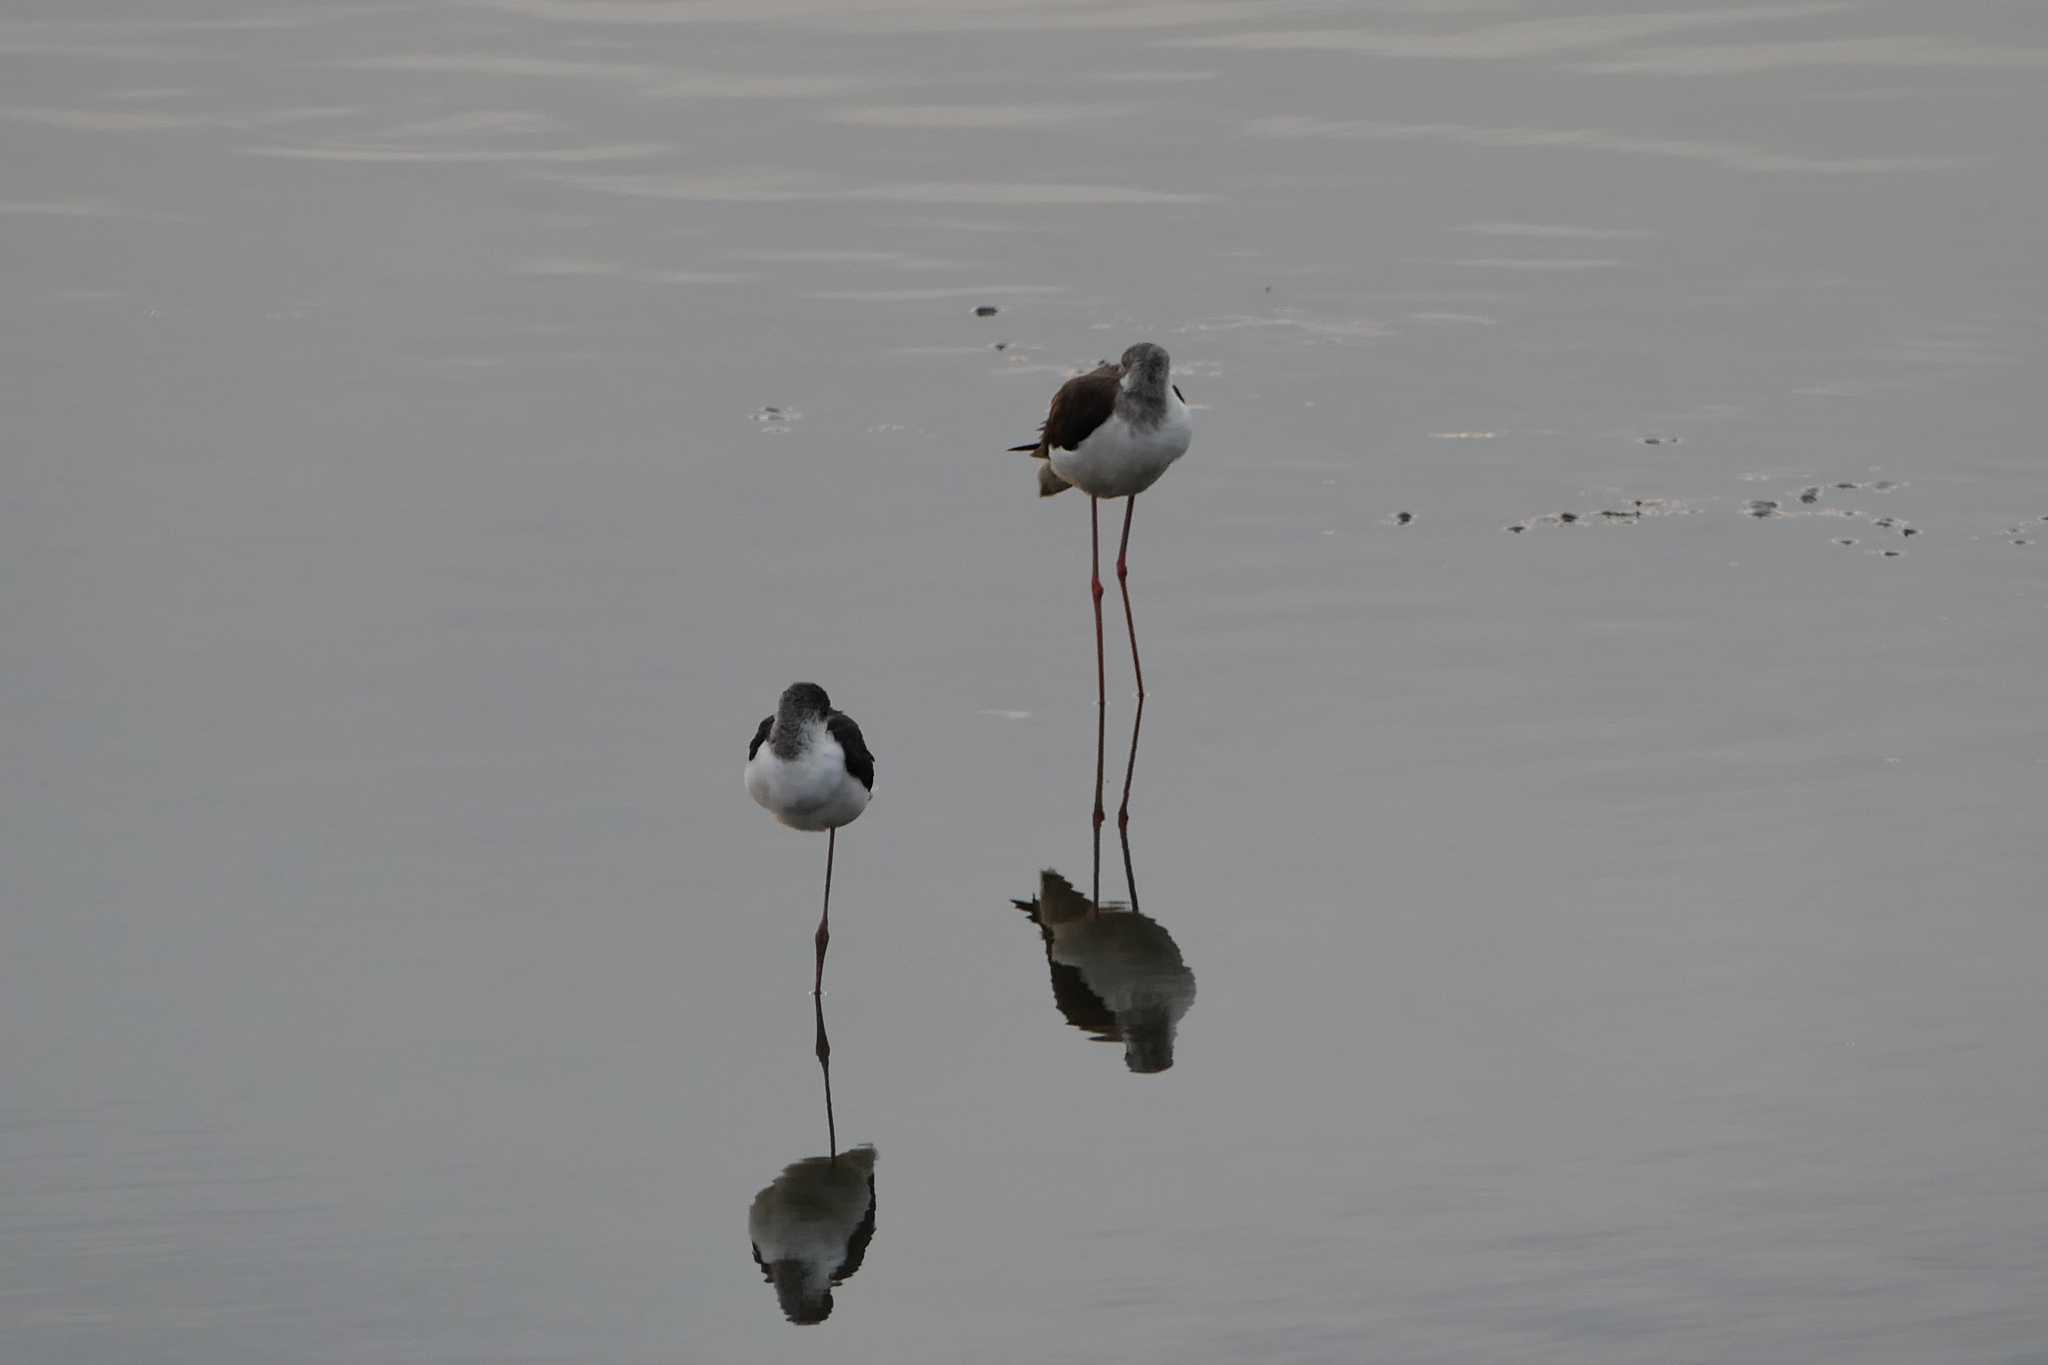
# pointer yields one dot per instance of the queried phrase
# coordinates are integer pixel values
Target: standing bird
(1111, 433)
(809, 767)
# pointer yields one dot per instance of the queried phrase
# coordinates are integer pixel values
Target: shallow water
(438, 431)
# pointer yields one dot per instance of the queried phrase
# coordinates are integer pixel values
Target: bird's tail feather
(1032, 448)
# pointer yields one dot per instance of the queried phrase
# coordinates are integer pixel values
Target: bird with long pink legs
(1111, 433)
(810, 768)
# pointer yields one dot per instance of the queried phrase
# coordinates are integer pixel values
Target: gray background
(1617, 941)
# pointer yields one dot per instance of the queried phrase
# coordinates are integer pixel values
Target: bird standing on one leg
(1111, 433)
(809, 767)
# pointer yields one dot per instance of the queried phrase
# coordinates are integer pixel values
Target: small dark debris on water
(1891, 554)
(1886, 522)
(1403, 518)
(1002, 345)
(1567, 517)
(1660, 440)
(1845, 540)
(1518, 528)
(770, 410)
(1809, 496)
(1761, 507)
(1909, 530)
(2021, 540)
(1624, 514)
(1884, 486)
(986, 310)
(1845, 485)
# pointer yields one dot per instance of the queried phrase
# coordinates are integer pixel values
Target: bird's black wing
(760, 738)
(859, 761)
(1082, 404)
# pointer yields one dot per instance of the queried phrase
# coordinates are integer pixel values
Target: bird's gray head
(1145, 367)
(803, 700)
(801, 706)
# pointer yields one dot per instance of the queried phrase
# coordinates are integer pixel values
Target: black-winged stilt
(809, 767)
(1111, 433)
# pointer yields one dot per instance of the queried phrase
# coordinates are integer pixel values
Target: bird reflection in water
(1117, 975)
(811, 1227)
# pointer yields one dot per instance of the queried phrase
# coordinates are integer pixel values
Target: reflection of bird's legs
(1095, 884)
(824, 935)
(1101, 688)
(1123, 814)
(1123, 574)
(1123, 834)
(825, 1066)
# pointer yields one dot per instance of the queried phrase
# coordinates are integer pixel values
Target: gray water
(1617, 939)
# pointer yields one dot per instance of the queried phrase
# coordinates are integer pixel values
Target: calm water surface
(436, 432)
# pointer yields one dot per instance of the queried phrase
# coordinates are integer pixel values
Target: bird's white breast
(1119, 460)
(812, 791)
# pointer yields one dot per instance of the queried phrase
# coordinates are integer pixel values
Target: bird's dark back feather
(859, 762)
(1082, 404)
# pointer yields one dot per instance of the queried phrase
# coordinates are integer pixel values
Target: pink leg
(1101, 688)
(824, 935)
(1123, 574)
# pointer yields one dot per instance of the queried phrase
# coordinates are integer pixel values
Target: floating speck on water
(1611, 514)
(1845, 485)
(986, 310)
(1809, 495)
(1909, 530)
(2017, 540)
(1845, 540)
(1567, 517)
(1891, 554)
(1884, 486)
(1461, 436)
(1761, 507)
(774, 419)
(1002, 345)
(1518, 528)
(1660, 507)
(1403, 518)
(1660, 440)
